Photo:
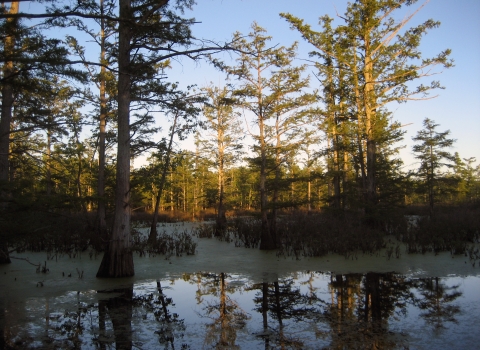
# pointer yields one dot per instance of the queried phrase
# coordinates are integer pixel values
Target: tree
(433, 158)
(267, 90)
(291, 113)
(154, 33)
(118, 260)
(464, 171)
(222, 141)
(183, 108)
(25, 52)
(104, 81)
(381, 60)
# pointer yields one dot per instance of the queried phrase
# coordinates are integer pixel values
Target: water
(305, 310)
(234, 298)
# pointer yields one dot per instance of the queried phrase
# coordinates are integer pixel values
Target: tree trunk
(360, 130)
(48, 164)
(6, 119)
(369, 102)
(221, 224)
(275, 199)
(153, 228)
(336, 170)
(371, 172)
(118, 259)
(266, 241)
(101, 210)
(7, 93)
(344, 180)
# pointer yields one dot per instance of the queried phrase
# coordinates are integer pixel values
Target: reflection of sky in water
(73, 318)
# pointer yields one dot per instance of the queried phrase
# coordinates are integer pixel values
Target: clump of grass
(177, 243)
(246, 232)
(204, 231)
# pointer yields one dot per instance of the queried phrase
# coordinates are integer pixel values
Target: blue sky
(457, 108)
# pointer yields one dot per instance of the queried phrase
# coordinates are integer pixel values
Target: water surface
(234, 298)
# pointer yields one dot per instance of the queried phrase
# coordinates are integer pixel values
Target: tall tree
(118, 260)
(291, 113)
(222, 141)
(9, 40)
(262, 72)
(184, 120)
(25, 54)
(433, 157)
(150, 33)
(384, 60)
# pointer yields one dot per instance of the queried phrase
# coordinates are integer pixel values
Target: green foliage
(364, 64)
(434, 159)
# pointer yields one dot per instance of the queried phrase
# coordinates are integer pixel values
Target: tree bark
(266, 241)
(369, 102)
(221, 223)
(6, 119)
(7, 93)
(101, 209)
(118, 259)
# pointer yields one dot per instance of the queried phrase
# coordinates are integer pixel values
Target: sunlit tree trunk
(118, 259)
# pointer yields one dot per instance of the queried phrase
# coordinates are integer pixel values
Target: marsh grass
(313, 234)
(55, 233)
(168, 244)
(451, 229)
(298, 233)
(317, 234)
(246, 231)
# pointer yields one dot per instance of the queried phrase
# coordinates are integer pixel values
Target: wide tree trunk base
(116, 263)
(4, 255)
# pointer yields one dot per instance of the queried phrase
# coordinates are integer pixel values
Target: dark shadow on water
(119, 310)
(221, 311)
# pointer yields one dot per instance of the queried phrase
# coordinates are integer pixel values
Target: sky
(457, 107)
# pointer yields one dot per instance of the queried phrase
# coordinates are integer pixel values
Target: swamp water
(235, 298)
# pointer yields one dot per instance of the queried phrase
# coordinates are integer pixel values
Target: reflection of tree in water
(65, 329)
(76, 329)
(170, 326)
(435, 301)
(283, 301)
(226, 315)
(361, 307)
(356, 312)
(119, 309)
(72, 329)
